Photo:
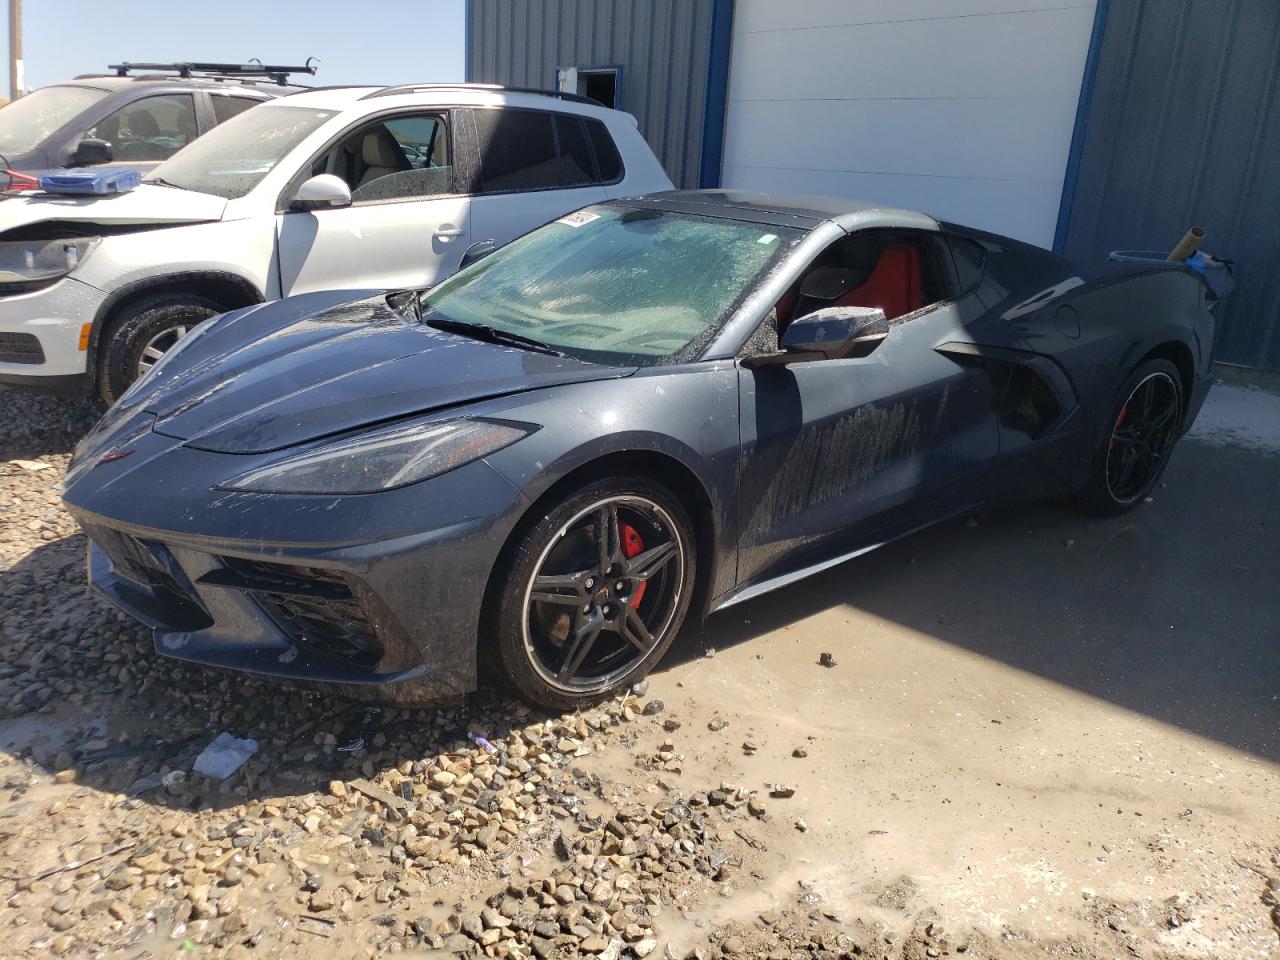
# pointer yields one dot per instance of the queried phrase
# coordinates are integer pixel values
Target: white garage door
(961, 108)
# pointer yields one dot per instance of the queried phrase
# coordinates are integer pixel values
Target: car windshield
(614, 284)
(233, 157)
(25, 122)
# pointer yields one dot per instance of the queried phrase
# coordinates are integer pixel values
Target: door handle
(447, 231)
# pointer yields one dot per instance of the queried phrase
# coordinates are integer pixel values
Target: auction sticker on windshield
(579, 218)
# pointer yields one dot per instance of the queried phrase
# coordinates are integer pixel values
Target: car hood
(147, 204)
(280, 374)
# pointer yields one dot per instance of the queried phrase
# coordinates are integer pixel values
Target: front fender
(686, 414)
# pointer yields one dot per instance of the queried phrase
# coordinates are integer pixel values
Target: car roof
(802, 212)
(115, 84)
(375, 98)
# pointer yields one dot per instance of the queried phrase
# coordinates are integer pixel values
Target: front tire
(589, 598)
(1134, 447)
(141, 333)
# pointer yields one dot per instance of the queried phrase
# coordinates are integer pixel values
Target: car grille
(146, 564)
(317, 608)
(20, 348)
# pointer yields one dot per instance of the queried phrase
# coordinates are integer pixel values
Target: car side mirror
(477, 251)
(324, 190)
(832, 333)
(91, 151)
(836, 332)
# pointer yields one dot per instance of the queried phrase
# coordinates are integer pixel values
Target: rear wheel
(140, 334)
(593, 594)
(1137, 441)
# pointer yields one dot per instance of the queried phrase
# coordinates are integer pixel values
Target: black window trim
(951, 238)
(591, 149)
(451, 117)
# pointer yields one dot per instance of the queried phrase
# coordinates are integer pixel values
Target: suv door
(407, 225)
(531, 166)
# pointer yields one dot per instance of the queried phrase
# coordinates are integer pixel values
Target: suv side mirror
(321, 191)
(91, 151)
(833, 333)
(477, 251)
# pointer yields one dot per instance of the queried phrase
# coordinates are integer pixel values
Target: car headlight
(383, 459)
(33, 263)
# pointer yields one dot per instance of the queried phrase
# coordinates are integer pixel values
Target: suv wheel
(141, 333)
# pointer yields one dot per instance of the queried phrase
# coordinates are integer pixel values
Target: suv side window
(530, 150)
(405, 157)
(153, 128)
(607, 156)
(970, 259)
(226, 106)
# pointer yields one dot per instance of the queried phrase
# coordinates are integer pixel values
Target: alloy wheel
(604, 593)
(1143, 435)
(158, 346)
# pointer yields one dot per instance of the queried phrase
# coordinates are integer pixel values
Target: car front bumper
(379, 595)
(40, 335)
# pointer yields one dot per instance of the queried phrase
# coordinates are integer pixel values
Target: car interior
(401, 158)
(898, 272)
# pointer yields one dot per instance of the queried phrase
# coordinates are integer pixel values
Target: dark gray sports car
(543, 463)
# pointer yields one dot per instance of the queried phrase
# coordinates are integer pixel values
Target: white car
(342, 188)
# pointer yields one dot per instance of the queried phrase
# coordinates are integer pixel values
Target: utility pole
(15, 49)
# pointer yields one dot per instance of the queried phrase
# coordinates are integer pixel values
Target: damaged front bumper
(378, 596)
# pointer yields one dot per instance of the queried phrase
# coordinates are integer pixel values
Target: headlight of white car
(382, 459)
(33, 263)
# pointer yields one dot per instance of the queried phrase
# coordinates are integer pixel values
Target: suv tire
(140, 327)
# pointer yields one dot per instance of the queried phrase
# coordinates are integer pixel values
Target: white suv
(344, 188)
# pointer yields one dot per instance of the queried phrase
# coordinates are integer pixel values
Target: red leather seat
(896, 285)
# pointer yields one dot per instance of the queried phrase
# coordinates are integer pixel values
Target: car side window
(530, 150)
(970, 259)
(405, 157)
(153, 128)
(606, 151)
(900, 272)
(226, 106)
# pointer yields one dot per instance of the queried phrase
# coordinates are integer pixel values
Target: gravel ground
(634, 829)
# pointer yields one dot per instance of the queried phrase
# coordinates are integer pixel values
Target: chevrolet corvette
(539, 467)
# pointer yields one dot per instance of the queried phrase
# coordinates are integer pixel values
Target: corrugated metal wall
(523, 42)
(1185, 128)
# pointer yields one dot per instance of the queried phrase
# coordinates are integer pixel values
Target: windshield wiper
(162, 182)
(482, 331)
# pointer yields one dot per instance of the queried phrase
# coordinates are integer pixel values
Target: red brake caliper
(633, 546)
(1119, 420)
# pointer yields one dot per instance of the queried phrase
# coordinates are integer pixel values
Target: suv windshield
(613, 284)
(25, 122)
(233, 157)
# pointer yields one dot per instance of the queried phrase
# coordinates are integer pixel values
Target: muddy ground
(1041, 736)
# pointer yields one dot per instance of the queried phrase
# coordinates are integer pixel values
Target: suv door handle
(448, 231)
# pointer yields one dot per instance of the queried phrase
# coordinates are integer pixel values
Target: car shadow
(1170, 611)
(34, 425)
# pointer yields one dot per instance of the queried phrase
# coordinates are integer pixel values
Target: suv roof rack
(496, 87)
(187, 70)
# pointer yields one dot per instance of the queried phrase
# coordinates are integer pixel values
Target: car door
(531, 166)
(840, 455)
(408, 224)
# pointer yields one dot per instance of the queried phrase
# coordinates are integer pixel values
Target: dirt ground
(1039, 736)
